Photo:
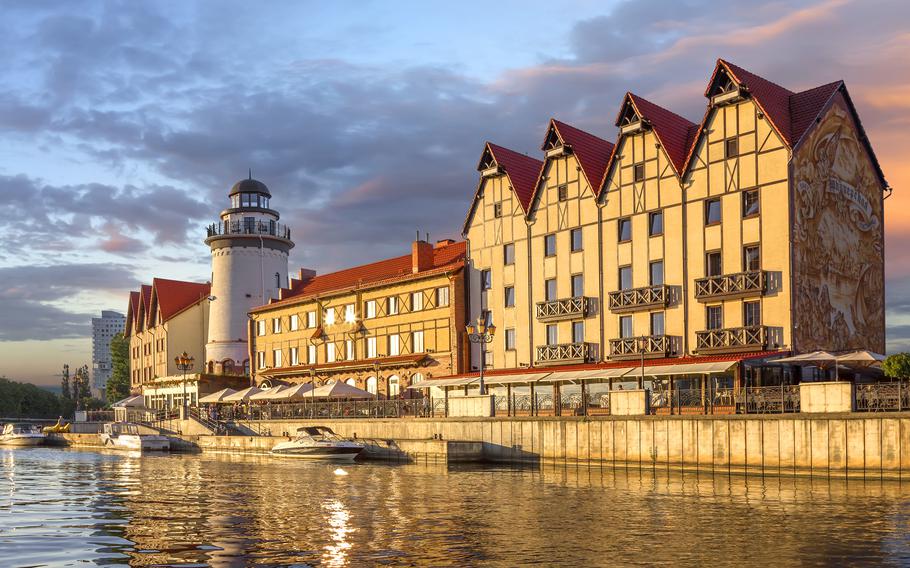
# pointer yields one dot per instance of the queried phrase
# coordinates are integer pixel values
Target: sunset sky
(125, 123)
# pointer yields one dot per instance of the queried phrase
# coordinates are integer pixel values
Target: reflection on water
(59, 506)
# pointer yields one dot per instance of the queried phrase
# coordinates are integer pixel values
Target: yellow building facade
(758, 230)
(380, 327)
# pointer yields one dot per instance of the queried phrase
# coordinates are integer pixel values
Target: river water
(65, 507)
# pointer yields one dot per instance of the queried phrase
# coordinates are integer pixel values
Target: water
(64, 507)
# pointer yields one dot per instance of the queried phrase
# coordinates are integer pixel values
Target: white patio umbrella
(245, 394)
(216, 397)
(266, 394)
(822, 359)
(296, 392)
(338, 389)
(863, 357)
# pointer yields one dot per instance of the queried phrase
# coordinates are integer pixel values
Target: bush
(24, 400)
(897, 366)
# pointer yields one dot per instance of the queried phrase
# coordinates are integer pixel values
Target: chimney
(444, 243)
(306, 274)
(421, 256)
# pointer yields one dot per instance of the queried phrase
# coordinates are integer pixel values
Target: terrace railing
(635, 347)
(731, 339)
(633, 299)
(882, 397)
(564, 353)
(265, 228)
(568, 308)
(394, 408)
(738, 285)
(769, 400)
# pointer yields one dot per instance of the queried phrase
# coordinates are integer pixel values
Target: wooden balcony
(732, 339)
(635, 299)
(647, 346)
(729, 286)
(556, 310)
(563, 353)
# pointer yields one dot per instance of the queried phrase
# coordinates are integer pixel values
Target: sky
(124, 124)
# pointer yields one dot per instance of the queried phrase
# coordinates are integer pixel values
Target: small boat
(21, 435)
(126, 436)
(320, 443)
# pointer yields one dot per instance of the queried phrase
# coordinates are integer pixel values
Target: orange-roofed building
(380, 326)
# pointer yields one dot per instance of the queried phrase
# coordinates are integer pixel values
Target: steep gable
(522, 171)
(593, 153)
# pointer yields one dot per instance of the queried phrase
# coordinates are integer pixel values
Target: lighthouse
(249, 265)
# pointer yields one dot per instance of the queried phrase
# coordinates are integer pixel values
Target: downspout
(600, 279)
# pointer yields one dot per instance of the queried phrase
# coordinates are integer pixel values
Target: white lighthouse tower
(249, 265)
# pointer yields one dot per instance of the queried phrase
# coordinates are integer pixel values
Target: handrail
(638, 298)
(552, 310)
(736, 284)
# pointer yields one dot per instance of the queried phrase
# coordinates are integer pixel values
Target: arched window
(277, 280)
(417, 378)
(394, 386)
(372, 385)
(352, 382)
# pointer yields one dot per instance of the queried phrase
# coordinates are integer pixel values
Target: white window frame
(329, 316)
(295, 356)
(260, 359)
(370, 309)
(260, 327)
(394, 345)
(442, 297)
(417, 343)
(393, 305)
(276, 358)
(311, 354)
(416, 301)
(349, 314)
(310, 320)
(330, 352)
(276, 325)
(372, 353)
(349, 350)
(295, 322)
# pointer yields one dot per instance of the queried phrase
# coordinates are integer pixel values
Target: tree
(65, 384)
(897, 366)
(118, 386)
(24, 400)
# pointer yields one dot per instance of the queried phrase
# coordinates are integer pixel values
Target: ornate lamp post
(481, 333)
(184, 363)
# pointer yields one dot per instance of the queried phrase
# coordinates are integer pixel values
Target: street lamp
(481, 333)
(184, 363)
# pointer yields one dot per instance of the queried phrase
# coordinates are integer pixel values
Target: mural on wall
(839, 293)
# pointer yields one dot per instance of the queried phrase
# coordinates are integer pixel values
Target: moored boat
(16, 434)
(126, 436)
(318, 442)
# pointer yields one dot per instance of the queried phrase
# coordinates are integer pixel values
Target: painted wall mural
(838, 262)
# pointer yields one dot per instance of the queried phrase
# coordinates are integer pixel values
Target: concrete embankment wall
(875, 445)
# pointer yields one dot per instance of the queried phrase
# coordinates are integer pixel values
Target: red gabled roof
(132, 312)
(445, 258)
(672, 131)
(773, 99)
(522, 170)
(593, 153)
(145, 293)
(174, 296)
(806, 106)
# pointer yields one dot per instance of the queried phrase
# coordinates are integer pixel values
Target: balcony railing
(647, 346)
(564, 353)
(638, 298)
(731, 339)
(555, 310)
(737, 285)
(270, 228)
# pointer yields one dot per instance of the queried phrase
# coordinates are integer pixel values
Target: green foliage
(897, 366)
(118, 386)
(24, 400)
(65, 384)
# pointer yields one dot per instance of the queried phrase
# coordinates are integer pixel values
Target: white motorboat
(318, 442)
(126, 436)
(15, 434)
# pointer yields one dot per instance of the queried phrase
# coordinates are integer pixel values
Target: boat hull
(21, 441)
(317, 453)
(137, 443)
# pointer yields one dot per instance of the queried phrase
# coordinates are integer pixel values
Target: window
(349, 350)
(552, 334)
(578, 332)
(393, 305)
(714, 317)
(349, 316)
(417, 342)
(330, 352)
(509, 300)
(486, 279)
(657, 323)
(295, 356)
(750, 203)
(550, 289)
(276, 357)
(625, 327)
(656, 223)
(657, 273)
(713, 264)
(329, 317)
(549, 245)
(751, 314)
(731, 147)
(510, 339)
(416, 301)
(311, 320)
(394, 345)
(370, 309)
(712, 211)
(563, 192)
(577, 243)
(394, 386)
(311, 354)
(260, 359)
(295, 322)
(578, 285)
(487, 317)
(371, 347)
(260, 327)
(751, 258)
(497, 210)
(371, 385)
(442, 296)
(625, 277)
(625, 229)
(508, 254)
(638, 172)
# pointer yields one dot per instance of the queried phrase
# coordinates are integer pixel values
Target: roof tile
(593, 153)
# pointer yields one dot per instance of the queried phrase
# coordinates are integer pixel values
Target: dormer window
(629, 121)
(488, 166)
(725, 90)
(553, 146)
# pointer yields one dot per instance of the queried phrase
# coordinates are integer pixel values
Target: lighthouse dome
(250, 186)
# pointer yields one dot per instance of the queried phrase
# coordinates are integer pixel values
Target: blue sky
(124, 124)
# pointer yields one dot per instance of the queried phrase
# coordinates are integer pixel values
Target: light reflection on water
(60, 506)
